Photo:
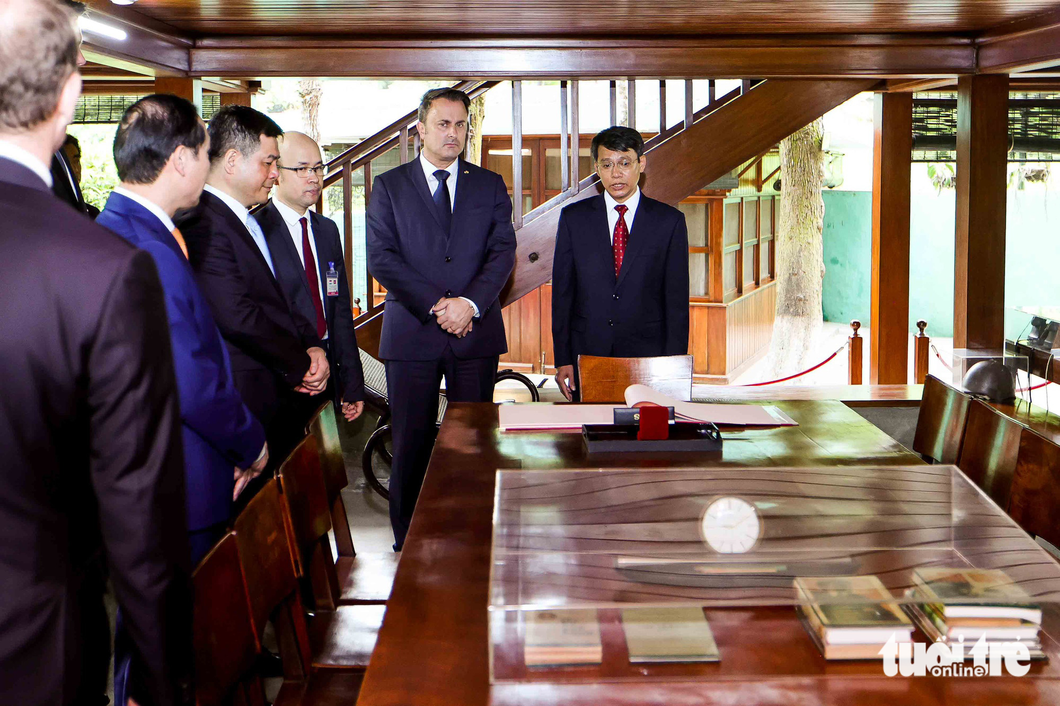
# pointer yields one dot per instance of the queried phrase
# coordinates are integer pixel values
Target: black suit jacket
(419, 263)
(92, 463)
(266, 341)
(644, 312)
(343, 354)
(64, 185)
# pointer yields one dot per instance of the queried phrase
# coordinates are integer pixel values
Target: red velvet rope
(796, 375)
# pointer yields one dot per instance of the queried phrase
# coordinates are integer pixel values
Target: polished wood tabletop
(433, 648)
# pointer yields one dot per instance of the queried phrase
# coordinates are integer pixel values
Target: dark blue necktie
(441, 199)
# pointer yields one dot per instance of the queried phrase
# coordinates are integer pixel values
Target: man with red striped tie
(620, 272)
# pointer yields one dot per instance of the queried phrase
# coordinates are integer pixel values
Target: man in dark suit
(89, 419)
(440, 239)
(161, 152)
(275, 353)
(309, 264)
(66, 181)
(620, 273)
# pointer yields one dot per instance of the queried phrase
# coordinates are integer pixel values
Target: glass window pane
(767, 247)
(765, 212)
(696, 221)
(749, 264)
(697, 274)
(750, 219)
(729, 271)
(732, 223)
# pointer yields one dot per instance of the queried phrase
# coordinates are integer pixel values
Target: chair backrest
(226, 645)
(603, 379)
(940, 424)
(988, 453)
(324, 428)
(1035, 499)
(266, 556)
(305, 498)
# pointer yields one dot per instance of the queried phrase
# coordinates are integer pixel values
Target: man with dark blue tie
(440, 239)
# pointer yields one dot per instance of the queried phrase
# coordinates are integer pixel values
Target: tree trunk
(799, 256)
(310, 91)
(475, 117)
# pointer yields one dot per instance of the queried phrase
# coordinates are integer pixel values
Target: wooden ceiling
(894, 39)
(563, 18)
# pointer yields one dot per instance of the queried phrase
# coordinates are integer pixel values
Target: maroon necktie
(311, 276)
(621, 236)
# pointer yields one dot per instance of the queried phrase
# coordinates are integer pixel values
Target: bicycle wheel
(519, 377)
(376, 460)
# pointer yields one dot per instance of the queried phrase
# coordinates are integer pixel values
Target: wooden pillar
(188, 88)
(982, 163)
(891, 166)
(235, 99)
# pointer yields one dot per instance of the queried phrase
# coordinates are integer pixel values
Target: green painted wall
(1033, 248)
(847, 255)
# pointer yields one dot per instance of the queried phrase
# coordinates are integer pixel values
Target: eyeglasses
(624, 165)
(304, 172)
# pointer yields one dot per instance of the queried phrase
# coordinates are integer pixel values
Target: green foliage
(98, 174)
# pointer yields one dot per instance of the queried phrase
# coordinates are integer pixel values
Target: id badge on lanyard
(331, 279)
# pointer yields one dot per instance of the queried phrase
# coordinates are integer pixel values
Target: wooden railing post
(614, 103)
(689, 110)
(517, 154)
(662, 106)
(854, 354)
(575, 150)
(921, 353)
(631, 104)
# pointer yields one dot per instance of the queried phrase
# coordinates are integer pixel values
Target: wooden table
(433, 647)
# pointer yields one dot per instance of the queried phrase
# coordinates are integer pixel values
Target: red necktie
(621, 236)
(311, 276)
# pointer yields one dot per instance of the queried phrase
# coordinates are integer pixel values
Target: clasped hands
(454, 315)
(316, 378)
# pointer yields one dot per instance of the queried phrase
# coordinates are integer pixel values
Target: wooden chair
(225, 643)
(940, 424)
(361, 578)
(988, 452)
(341, 636)
(1035, 499)
(602, 379)
(271, 592)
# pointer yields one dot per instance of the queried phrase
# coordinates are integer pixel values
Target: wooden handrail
(386, 138)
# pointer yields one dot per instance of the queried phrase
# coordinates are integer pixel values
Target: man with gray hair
(89, 422)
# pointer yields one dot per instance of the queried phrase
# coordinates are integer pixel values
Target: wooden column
(188, 88)
(235, 99)
(891, 166)
(982, 162)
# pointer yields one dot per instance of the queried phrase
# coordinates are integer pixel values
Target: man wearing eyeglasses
(310, 268)
(623, 291)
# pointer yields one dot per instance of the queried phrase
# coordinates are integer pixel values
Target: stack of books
(850, 617)
(971, 603)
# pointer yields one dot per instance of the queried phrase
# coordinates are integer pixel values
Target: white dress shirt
(612, 215)
(17, 154)
(432, 181)
(244, 217)
(450, 183)
(150, 206)
(291, 218)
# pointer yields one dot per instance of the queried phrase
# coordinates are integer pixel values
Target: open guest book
(515, 417)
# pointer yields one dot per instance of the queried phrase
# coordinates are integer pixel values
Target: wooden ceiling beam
(1021, 46)
(148, 45)
(785, 57)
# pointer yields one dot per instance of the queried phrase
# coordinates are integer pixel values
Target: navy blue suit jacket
(343, 354)
(218, 430)
(411, 255)
(644, 311)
